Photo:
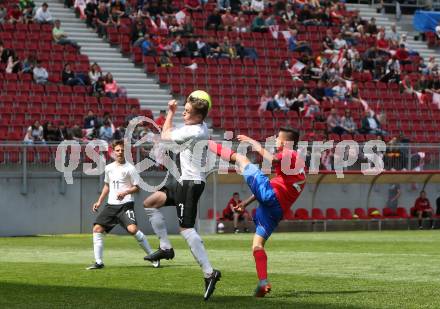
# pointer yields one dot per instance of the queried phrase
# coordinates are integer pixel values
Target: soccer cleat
(236, 231)
(262, 289)
(211, 282)
(156, 264)
(167, 254)
(95, 266)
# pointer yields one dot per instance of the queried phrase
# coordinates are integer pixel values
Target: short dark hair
(199, 106)
(235, 193)
(118, 142)
(293, 134)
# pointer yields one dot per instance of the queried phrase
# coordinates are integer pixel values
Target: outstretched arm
(168, 124)
(242, 206)
(257, 146)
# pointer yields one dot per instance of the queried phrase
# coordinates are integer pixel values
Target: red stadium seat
(302, 214)
(361, 213)
(346, 214)
(210, 214)
(331, 214)
(317, 214)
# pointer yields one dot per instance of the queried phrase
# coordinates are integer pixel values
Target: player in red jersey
(275, 196)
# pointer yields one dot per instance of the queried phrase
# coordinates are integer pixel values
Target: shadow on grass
(15, 295)
(311, 293)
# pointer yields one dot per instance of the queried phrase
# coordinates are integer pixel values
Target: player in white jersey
(184, 193)
(120, 183)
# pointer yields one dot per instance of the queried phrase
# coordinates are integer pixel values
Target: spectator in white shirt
(437, 30)
(339, 42)
(43, 15)
(340, 91)
(40, 74)
(257, 5)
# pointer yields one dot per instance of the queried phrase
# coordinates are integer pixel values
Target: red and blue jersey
(288, 183)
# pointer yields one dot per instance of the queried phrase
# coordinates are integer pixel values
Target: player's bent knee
(257, 247)
(132, 229)
(98, 229)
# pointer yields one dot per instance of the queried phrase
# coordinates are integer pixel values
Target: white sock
(195, 243)
(157, 222)
(98, 246)
(143, 242)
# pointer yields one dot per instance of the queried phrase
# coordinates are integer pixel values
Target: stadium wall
(49, 206)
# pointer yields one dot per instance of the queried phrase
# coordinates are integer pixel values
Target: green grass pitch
(307, 270)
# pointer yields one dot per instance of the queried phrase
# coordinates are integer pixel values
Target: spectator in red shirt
(192, 5)
(230, 214)
(402, 55)
(161, 119)
(423, 209)
(15, 15)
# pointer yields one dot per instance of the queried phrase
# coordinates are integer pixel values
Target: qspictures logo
(345, 154)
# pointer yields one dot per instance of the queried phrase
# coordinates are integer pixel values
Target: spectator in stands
(257, 6)
(91, 12)
(24, 4)
(393, 198)
(191, 48)
(240, 24)
(334, 124)
(423, 209)
(214, 21)
(77, 133)
(80, 6)
(165, 60)
(392, 72)
(223, 5)
(4, 53)
(192, 5)
(327, 42)
(289, 16)
(402, 55)
(40, 73)
(393, 36)
(309, 103)
(15, 15)
(298, 46)
(147, 46)
(228, 20)
(34, 134)
(370, 124)
(187, 26)
(3, 12)
(60, 37)
(43, 15)
(264, 100)
(94, 73)
(281, 100)
(432, 66)
(133, 114)
(106, 131)
(258, 23)
(437, 31)
(49, 132)
(348, 123)
(161, 119)
(13, 64)
(228, 49)
(102, 20)
(230, 214)
(117, 11)
(98, 88)
(29, 63)
(177, 47)
(202, 47)
(214, 50)
(62, 132)
(423, 83)
(70, 78)
(138, 31)
(383, 46)
(339, 42)
(406, 85)
(91, 120)
(111, 87)
(340, 91)
(371, 27)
